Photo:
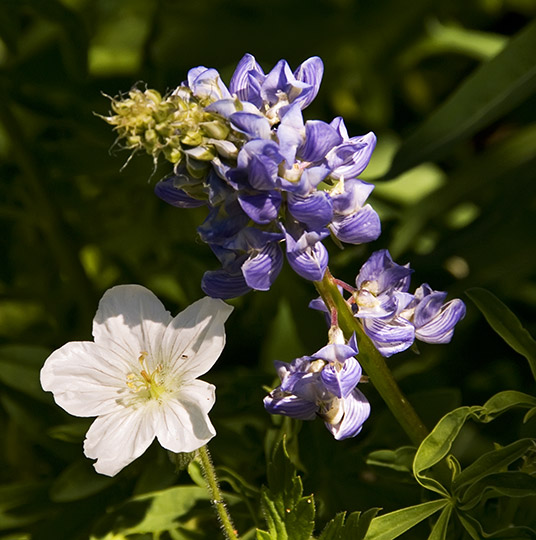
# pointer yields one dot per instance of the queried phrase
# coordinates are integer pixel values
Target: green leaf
(437, 445)
(475, 530)
(78, 481)
(495, 88)
(392, 525)
(439, 530)
(507, 484)
(490, 463)
(23, 503)
(152, 513)
(506, 324)
(20, 366)
(355, 527)
(439, 442)
(400, 459)
(288, 514)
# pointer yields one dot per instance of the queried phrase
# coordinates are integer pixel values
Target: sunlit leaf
(389, 526)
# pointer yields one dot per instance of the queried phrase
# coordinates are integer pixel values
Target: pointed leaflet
(494, 89)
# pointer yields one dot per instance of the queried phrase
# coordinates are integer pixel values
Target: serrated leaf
(288, 514)
(392, 525)
(506, 324)
(354, 527)
(495, 88)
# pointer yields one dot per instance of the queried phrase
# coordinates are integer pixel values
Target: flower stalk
(373, 362)
(216, 496)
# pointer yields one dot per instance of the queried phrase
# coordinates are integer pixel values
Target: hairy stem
(216, 495)
(373, 362)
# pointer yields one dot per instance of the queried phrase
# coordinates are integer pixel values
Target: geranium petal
(86, 380)
(130, 320)
(194, 339)
(117, 439)
(182, 424)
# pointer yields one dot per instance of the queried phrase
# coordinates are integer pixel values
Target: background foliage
(447, 86)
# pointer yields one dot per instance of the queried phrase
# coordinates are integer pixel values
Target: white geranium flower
(139, 376)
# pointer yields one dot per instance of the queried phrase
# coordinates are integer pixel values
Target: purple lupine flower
(434, 320)
(306, 254)
(354, 222)
(251, 260)
(273, 93)
(323, 385)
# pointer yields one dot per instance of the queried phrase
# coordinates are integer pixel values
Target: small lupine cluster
(391, 316)
(266, 176)
(323, 385)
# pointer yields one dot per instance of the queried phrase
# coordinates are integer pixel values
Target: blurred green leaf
(22, 503)
(473, 177)
(20, 366)
(475, 530)
(78, 481)
(495, 88)
(392, 525)
(506, 324)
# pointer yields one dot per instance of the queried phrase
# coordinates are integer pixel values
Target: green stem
(216, 494)
(373, 362)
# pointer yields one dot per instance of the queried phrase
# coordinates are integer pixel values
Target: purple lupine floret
(434, 320)
(273, 93)
(323, 385)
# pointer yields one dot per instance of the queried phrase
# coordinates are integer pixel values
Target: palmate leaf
(439, 442)
(506, 324)
(494, 89)
(392, 525)
(288, 514)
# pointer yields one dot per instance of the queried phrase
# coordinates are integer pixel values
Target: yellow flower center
(146, 380)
